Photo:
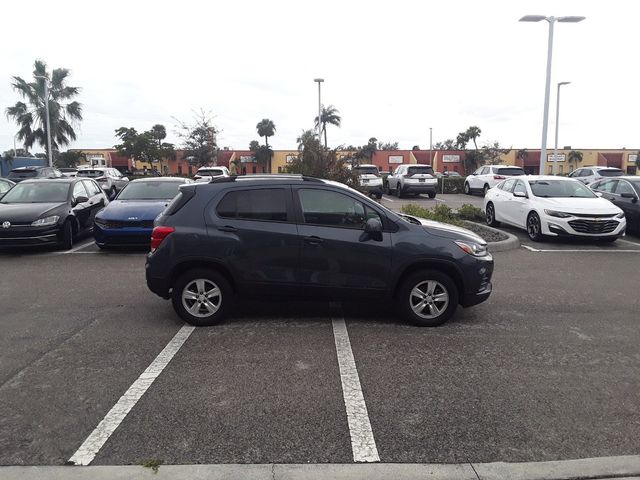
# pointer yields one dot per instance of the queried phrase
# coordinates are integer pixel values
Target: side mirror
(598, 194)
(520, 194)
(629, 195)
(126, 179)
(79, 200)
(373, 227)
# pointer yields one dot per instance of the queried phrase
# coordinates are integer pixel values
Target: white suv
(588, 175)
(205, 174)
(370, 179)
(489, 176)
(414, 178)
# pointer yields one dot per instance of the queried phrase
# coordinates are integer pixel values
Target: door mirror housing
(629, 195)
(520, 194)
(598, 194)
(373, 226)
(79, 200)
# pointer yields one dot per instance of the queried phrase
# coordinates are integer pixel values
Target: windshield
(150, 191)
(91, 173)
(614, 172)
(510, 171)
(48, 192)
(210, 173)
(560, 189)
(22, 174)
(420, 171)
(366, 170)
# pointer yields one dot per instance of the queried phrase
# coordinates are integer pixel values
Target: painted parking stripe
(388, 199)
(75, 249)
(585, 250)
(94, 442)
(627, 241)
(363, 445)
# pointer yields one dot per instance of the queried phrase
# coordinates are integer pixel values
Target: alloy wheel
(429, 299)
(201, 298)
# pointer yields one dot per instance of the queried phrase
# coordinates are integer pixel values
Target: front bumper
(122, 237)
(25, 236)
(584, 227)
(478, 286)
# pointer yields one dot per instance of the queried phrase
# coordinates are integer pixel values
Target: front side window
(606, 186)
(520, 188)
(624, 187)
(478, 171)
(586, 173)
(507, 185)
(333, 209)
(267, 204)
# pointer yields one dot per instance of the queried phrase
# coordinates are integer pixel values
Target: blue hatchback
(128, 219)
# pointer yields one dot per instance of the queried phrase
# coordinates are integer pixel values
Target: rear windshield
(47, 192)
(510, 171)
(614, 172)
(91, 173)
(210, 173)
(560, 189)
(420, 171)
(150, 191)
(22, 174)
(366, 170)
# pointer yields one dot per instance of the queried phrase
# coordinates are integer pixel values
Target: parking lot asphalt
(547, 369)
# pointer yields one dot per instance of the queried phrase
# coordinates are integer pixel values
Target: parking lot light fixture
(555, 147)
(545, 117)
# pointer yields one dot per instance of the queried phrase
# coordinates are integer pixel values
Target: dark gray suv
(293, 236)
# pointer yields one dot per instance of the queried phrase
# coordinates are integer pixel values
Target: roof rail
(258, 176)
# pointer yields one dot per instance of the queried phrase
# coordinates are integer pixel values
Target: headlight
(471, 248)
(46, 221)
(620, 215)
(553, 213)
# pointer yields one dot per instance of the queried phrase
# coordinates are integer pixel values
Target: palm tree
(473, 133)
(328, 115)
(305, 137)
(266, 128)
(31, 116)
(575, 157)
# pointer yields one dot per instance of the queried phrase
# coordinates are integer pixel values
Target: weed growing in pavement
(152, 463)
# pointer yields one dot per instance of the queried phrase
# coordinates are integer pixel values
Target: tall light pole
(319, 81)
(555, 148)
(545, 117)
(430, 145)
(46, 106)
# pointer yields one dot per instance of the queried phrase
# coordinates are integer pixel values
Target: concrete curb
(511, 243)
(581, 469)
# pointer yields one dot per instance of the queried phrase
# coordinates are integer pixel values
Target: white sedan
(553, 206)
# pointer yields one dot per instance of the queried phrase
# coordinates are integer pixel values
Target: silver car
(588, 175)
(110, 179)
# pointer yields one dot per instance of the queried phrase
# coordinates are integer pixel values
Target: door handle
(313, 240)
(228, 228)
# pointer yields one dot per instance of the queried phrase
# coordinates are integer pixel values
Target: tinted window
(420, 170)
(510, 171)
(323, 207)
(560, 189)
(586, 173)
(261, 204)
(91, 173)
(43, 192)
(507, 185)
(22, 174)
(214, 172)
(606, 186)
(611, 173)
(624, 187)
(366, 170)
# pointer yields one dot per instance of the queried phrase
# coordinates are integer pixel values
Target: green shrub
(440, 213)
(451, 184)
(469, 212)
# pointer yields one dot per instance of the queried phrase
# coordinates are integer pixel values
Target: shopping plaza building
(441, 160)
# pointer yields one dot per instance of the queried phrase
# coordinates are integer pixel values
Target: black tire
(222, 300)
(439, 311)
(432, 195)
(534, 227)
(399, 190)
(66, 237)
(485, 189)
(467, 189)
(490, 215)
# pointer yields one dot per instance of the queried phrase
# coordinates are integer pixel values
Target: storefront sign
(559, 158)
(246, 159)
(451, 158)
(396, 159)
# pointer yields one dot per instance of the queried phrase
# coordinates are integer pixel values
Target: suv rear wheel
(428, 298)
(202, 297)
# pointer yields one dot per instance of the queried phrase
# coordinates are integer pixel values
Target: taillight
(498, 177)
(408, 175)
(159, 234)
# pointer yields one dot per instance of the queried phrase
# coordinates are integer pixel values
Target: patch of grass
(152, 463)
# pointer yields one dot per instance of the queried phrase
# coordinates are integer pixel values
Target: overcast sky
(392, 68)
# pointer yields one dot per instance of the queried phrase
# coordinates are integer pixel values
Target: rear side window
(20, 174)
(179, 201)
(366, 170)
(510, 171)
(268, 204)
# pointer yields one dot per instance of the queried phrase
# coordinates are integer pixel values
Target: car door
(501, 199)
(97, 199)
(81, 209)
(626, 198)
(337, 257)
(256, 237)
(518, 206)
(473, 180)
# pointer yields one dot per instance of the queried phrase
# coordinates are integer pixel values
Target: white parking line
(94, 442)
(75, 249)
(586, 250)
(363, 445)
(627, 241)
(388, 199)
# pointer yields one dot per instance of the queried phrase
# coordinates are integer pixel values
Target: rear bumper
(419, 188)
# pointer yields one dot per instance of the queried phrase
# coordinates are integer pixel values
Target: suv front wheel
(202, 297)
(428, 298)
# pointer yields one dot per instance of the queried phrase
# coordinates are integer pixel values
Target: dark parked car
(128, 220)
(25, 173)
(5, 186)
(624, 193)
(41, 212)
(293, 236)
